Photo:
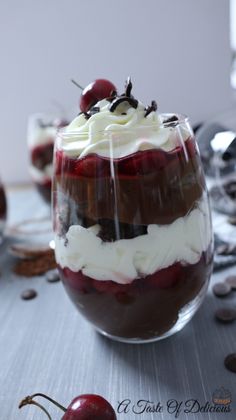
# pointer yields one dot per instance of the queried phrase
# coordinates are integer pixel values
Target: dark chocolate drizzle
(150, 108)
(128, 87)
(120, 99)
(173, 119)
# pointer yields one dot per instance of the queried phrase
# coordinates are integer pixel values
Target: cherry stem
(28, 400)
(76, 84)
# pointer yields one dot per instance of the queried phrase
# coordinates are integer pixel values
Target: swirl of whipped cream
(119, 134)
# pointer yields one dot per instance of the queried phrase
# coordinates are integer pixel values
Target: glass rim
(182, 119)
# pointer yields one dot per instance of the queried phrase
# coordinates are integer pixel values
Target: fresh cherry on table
(83, 407)
(96, 91)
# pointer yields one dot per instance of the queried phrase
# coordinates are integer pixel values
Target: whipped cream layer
(124, 260)
(118, 134)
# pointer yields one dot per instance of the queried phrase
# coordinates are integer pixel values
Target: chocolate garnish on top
(120, 99)
(128, 87)
(173, 119)
(150, 108)
(125, 97)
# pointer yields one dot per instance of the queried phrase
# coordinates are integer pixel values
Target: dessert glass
(42, 131)
(3, 211)
(133, 235)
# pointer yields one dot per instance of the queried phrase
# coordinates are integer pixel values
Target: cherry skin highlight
(89, 407)
(94, 92)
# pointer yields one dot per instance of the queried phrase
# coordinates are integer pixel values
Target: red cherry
(89, 407)
(94, 92)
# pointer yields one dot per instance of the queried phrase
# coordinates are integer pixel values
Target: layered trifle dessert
(131, 217)
(3, 210)
(42, 131)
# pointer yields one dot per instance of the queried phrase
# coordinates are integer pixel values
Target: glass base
(185, 315)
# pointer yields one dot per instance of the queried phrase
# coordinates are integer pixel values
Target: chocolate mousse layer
(147, 308)
(149, 187)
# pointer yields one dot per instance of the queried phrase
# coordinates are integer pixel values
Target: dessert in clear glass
(42, 131)
(133, 234)
(3, 210)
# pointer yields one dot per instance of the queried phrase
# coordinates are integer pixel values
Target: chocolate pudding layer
(147, 308)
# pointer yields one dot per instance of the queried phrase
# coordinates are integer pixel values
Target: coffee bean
(221, 289)
(225, 315)
(230, 362)
(52, 276)
(231, 280)
(28, 294)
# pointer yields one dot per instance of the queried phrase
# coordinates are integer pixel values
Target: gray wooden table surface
(46, 346)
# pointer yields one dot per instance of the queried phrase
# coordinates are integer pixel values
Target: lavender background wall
(177, 52)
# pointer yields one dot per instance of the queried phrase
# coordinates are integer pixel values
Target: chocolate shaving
(150, 108)
(117, 101)
(86, 115)
(128, 87)
(172, 119)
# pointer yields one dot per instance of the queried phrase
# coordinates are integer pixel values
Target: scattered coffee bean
(221, 289)
(28, 294)
(52, 276)
(225, 315)
(230, 362)
(231, 280)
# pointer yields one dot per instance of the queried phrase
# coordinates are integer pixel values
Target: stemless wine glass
(133, 234)
(3, 211)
